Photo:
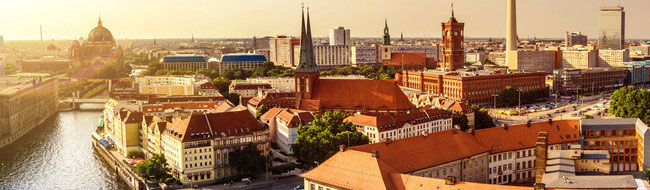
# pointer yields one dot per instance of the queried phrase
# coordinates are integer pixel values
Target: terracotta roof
(419, 152)
(203, 126)
(295, 117)
(224, 107)
(405, 181)
(457, 106)
(518, 137)
(266, 117)
(353, 170)
(390, 122)
(130, 117)
(358, 94)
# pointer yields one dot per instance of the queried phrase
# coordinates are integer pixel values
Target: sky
(139, 19)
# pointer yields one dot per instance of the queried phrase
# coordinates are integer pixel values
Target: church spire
(306, 63)
(386, 33)
(452, 9)
(99, 23)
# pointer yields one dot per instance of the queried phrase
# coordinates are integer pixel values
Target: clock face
(455, 33)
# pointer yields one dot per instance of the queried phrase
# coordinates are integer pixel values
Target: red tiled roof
(419, 152)
(224, 107)
(266, 117)
(390, 122)
(405, 181)
(409, 59)
(518, 137)
(203, 126)
(358, 94)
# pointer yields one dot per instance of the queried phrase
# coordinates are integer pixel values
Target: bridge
(73, 104)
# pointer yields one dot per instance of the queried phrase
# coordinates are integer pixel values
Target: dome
(100, 33)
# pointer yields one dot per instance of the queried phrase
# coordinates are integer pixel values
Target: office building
(639, 72)
(25, 102)
(173, 85)
(240, 61)
(361, 55)
(612, 58)
(185, 62)
(532, 60)
(474, 87)
(611, 28)
(45, 64)
(340, 36)
(329, 56)
(587, 81)
(622, 138)
(580, 59)
(376, 54)
(498, 58)
(575, 38)
(475, 57)
(641, 50)
(282, 51)
(453, 52)
(409, 61)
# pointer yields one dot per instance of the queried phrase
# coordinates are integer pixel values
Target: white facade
(332, 55)
(475, 57)
(280, 83)
(579, 59)
(612, 58)
(340, 36)
(281, 51)
(363, 55)
(371, 54)
(408, 130)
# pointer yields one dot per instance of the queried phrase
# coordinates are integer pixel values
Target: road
(282, 184)
(534, 117)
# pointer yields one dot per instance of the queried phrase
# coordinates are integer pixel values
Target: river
(58, 154)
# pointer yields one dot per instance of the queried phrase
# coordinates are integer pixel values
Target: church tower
(386, 33)
(452, 39)
(306, 73)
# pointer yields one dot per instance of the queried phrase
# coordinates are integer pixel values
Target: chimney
(540, 186)
(541, 156)
(375, 154)
(550, 121)
(342, 148)
(425, 134)
(450, 180)
(505, 126)
(387, 141)
(471, 131)
(457, 127)
(528, 123)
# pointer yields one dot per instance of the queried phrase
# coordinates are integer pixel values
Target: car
(556, 111)
(299, 187)
(563, 111)
(540, 117)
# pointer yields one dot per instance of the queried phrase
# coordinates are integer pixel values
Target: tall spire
(452, 9)
(386, 33)
(99, 23)
(306, 63)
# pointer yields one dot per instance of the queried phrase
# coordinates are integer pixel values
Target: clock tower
(452, 43)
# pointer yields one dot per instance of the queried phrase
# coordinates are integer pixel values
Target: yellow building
(125, 131)
(152, 129)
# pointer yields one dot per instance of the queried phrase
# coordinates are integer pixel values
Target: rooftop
(243, 58)
(560, 173)
(183, 58)
(609, 124)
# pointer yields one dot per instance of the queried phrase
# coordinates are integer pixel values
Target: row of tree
(510, 96)
(631, 102)
(369, 71)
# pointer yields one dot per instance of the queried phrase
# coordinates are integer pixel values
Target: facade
(287, 84)
(532, 60)
(619, 138)
(575, 38)
(587, 81)
(184, 62)
(100, 43)
(345, 95)
(329, 56)
(453, 52)
(340, 36)
(25, 102)
(611, 28)
(392, 127)
(499, 58)
(363, 55)
(281, 51)
(612, 58)
(473, 87)
(247, 90)
(45, 64)
(475, 57)
(639, 72)
(125, 130)
(283, 125)
(409, 61)
(197, 148)
(643, 50)
(241, 61)
(376, 54)
(579, 59)
(174, 85)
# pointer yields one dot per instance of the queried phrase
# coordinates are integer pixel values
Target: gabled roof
(457, 106)
(353, 169)
(516, 137)
(419, 152)
(405, 181)
(203, 126)
(390, 122)
(358, 94)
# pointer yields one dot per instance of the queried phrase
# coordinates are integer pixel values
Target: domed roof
(100, 33)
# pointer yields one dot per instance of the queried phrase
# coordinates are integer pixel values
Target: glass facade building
(611, 28)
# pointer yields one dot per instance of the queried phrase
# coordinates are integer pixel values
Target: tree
(222, 84)
(321, 140)
(134, 154)
(247, 159)
(482, 119)
(155, 168)
(647, 174)
(509, 96)
(260, 111)
(232, 98)
(587, 116)
(488, 62)
(630, 102)
(460, 120)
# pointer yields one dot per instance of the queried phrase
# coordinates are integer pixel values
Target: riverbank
(115, 161)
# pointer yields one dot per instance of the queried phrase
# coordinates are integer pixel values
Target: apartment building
(282, 51)
(283, 125)
(612, 57)
(579, 59)
(391, 127)
(532, 60)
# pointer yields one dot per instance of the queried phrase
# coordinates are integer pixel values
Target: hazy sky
(66, 19)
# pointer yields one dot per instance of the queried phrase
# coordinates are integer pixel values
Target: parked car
(299, 187)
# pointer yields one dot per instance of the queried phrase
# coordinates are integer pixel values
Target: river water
(58, 154)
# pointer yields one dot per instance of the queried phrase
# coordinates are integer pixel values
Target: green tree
(460, 120)
(247, 159)
(222, 84)
(232, 97)
(260, 111)
(587, 116)
(134, 154)
(482, 119)
(155, 168)
(630, 102)
(319, 141)
(647, 173)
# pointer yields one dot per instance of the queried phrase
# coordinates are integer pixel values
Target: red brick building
(453, 53)
(409, 61)
(474, 87)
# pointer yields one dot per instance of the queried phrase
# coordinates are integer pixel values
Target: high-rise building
(611, 27)
(281, 50)
(532, 60)
(329, 56)
(612, 58)
(340, 36)
(575, 38)
(578, 59)
(386, 33)
(452, 39)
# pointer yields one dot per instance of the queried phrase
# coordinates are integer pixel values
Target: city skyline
(214, 19)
